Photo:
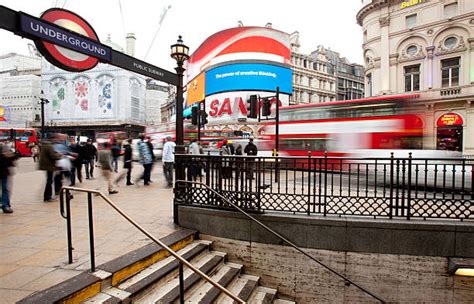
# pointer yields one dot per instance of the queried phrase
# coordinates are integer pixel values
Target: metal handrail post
(91, 231)
(181, 283)
(68, 227)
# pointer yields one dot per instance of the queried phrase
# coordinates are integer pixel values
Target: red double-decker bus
(342, 127)
(21, 139)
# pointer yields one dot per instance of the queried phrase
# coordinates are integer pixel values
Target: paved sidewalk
(33, 244)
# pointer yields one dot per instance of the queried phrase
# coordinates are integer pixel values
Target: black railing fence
(376, 187)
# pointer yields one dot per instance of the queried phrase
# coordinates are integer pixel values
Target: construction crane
(162, 17)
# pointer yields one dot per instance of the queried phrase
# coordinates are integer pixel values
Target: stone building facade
(349, 76)
(427, 47)
(312, 81)
(20, 88)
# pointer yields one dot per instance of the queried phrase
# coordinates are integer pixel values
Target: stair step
(170, 291)
(263, 295)
(205, 292)
(110, 295)
(160, 270)
(281, 301)
(242, 286)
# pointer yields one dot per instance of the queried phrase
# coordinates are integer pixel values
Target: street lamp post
(179, 52)
(42, 102)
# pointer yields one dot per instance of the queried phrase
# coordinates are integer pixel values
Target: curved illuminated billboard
(248, 76)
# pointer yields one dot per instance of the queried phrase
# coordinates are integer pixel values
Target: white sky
(331, 23)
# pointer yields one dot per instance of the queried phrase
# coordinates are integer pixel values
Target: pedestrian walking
(153, 157)
(7, 159)
(116, 151)
(35, 152)
(127, 163)
(77, 149)
(73, 155)
(47, 162)
(146, 159)
(104, 158)
(90, 154)
(195, 166)
(226, 163)
(63, 165)
(168, 160)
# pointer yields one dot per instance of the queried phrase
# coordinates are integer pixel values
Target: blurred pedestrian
(47, 162)
(63, 165)
(77, 149)
(7, 158)
(34, 151)
(116, 151)
(104, 158)
(73, 155)
(90, 154)
(146, 159)
(127, 163)
(168, 160)
(153, 157)
(226, 163)
(195, 166)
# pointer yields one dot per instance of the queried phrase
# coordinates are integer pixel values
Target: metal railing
(66, 213)
(392, 187)
(291, 244)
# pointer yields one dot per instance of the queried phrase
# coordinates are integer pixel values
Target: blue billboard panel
(248, 76)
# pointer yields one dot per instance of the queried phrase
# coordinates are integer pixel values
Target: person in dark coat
(6, 161)
(47, 162)
(127, 163)
(90, 153)
(251, 150)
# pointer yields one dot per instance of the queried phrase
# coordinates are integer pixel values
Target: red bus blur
(343, 127)
(23, 138)
(102, 137)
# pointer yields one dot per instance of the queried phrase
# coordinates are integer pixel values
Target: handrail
(348, 281)
(157, 241)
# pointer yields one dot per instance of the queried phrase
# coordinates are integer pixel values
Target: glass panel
(450, 10)
(454, 76)
(407, 83)
(416, 82)
(451, 42)
(445, 78)
(411, 21)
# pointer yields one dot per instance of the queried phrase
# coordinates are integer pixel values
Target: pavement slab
(33, 243)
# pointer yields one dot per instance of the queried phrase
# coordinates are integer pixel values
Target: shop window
(412, 78)
(410, 21)
(449, 135)
(450, 72)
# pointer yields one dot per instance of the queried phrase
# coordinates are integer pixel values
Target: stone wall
(398, 268)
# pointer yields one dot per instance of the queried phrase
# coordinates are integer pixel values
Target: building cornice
(375, 4)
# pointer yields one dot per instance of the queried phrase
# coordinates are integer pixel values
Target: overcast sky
(331, 23)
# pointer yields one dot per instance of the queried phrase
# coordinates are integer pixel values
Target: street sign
(70, 43)
(66, 40)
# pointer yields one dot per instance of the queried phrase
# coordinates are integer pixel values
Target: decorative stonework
(430, 51)
(394, 59)
(470, 41)
(384, 21)
(459, 47)
(411, 57)
(430, 32)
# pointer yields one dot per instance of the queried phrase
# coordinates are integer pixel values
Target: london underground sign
(70, 43)
(63, 48)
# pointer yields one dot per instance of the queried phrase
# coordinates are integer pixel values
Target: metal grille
(376, 187)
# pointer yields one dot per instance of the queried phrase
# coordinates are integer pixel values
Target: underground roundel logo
(64, 58)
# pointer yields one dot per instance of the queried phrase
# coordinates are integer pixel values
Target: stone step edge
(87, 284)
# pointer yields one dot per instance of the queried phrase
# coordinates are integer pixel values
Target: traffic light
(204, 117)
(194, 115)
(266, 107)
(252, 106)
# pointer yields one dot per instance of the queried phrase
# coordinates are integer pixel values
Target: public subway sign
(449, 119)
(66, 40)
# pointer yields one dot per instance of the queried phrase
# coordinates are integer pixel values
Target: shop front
(449, 133)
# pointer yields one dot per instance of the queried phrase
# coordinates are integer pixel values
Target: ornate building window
(412, 50)
(450, 10)
(412, 78)
(450, 42)
(450, 72)
(410, 21)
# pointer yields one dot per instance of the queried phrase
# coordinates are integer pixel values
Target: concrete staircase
(158, 282)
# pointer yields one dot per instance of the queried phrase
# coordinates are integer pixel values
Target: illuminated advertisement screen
(248, 76)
